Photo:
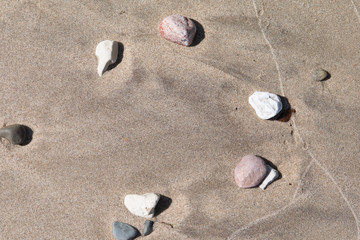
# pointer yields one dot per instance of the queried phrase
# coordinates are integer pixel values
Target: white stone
(142, 205)
(267, 105)
(273, 174)
(106, 53)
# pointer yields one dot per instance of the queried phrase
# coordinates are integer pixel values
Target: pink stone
(250, 171)
(178, 29)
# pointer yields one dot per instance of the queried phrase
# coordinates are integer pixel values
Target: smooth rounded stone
(250, 171)
(178, 29)
(106, 53)
(123, 231)
(148, 227)
(142, 205)
(320, 74)
(267, 105)
(15, 134)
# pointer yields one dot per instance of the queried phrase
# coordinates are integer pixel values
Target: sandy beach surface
(176, 120)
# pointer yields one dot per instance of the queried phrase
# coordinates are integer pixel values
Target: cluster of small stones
(250, 172)
(139, 205)
(175, 28)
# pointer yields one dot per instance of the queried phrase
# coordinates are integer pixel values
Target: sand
(176, 120)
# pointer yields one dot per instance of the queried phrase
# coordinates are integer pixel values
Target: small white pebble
(106, 53)
(272, 176)
(267, 105)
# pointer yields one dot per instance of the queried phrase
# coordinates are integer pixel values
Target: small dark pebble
(16, 133)
(123, 231)
(148, 227)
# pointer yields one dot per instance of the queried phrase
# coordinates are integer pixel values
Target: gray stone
(148, 227)
(123, 231)
(15, 134)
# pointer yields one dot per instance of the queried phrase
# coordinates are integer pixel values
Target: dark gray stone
(148, 227)
(16, 133)
(123, 231)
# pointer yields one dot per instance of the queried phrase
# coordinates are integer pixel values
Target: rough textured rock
(178, 29)
(250, 171)
(106, 53)
(123, 231)
(15, 134)
(142, 205)
(267, 105)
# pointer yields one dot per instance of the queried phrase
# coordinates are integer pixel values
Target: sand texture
(176, 120)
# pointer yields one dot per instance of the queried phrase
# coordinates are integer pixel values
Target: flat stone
(142, 205)
(320, 74)
(178, 29)
(148, 227)
(123, 231)
(250, 171)
(267, 105)
(15, 134)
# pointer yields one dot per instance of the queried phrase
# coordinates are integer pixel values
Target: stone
(320, 74)
(272, 175)
(267, 105)
(148, 227)
(106, 53)
(250, 171)
(15, 134)
(178, 29)
(142, 205)
(123, 231)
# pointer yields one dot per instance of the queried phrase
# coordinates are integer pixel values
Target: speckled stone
(178, 29)
(320, 74)
(148, 227)
(142, 205)
(250, 171)
(123, 231)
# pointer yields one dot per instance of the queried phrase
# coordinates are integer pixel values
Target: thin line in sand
(255, 222)
(302, 178)
(356, 10)
(301, 139)
(271, 48)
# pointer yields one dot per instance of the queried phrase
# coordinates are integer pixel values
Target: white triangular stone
(142, 205)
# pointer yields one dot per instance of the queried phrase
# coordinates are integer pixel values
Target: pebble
(250, 171)
(15, 134)
(142, 205)
(320, 74)
(106, 53)
(123, 231)
(267, 105)
(148, 227)
(272, 175)
(178, 29)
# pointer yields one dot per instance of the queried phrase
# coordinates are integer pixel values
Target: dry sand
(176, 120)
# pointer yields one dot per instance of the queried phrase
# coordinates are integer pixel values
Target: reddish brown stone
(250, 171)
(178, 29)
